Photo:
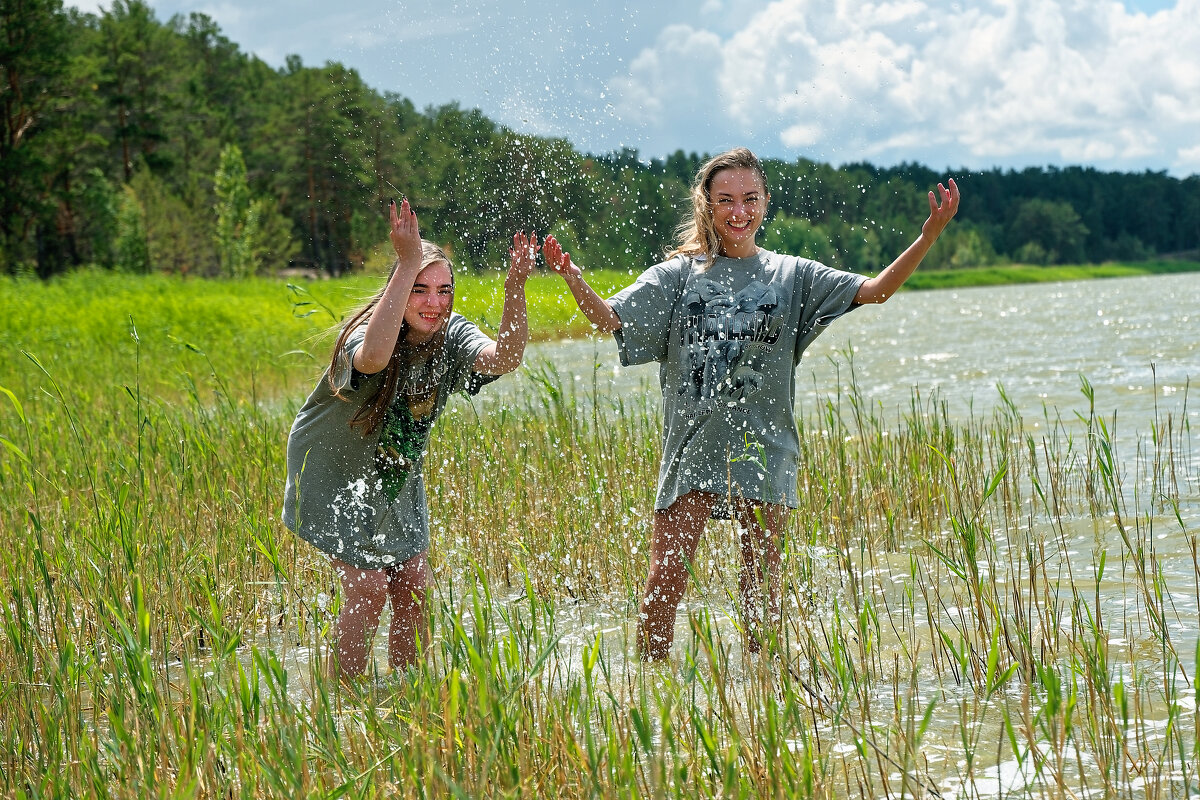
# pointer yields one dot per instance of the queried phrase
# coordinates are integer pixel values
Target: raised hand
(523, 255)
(405, 234)
(558, 260)
(941, 211)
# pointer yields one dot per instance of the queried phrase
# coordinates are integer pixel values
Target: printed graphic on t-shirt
(402, 439)
(725, 336)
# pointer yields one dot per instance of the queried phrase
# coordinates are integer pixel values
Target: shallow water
(1137, 340)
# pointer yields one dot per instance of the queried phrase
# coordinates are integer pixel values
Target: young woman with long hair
(355, 452)
(728, 321)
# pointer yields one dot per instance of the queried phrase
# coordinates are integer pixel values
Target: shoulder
(461, 331)
(675, 265)
(787, 263)
(807, 268)
(464, 339)
(352, 339)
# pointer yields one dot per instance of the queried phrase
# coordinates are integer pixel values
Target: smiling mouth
(738, 226)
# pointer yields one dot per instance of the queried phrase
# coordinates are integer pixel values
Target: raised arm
(593, 306)
(504, 355)
(885, 284)
(388, 315)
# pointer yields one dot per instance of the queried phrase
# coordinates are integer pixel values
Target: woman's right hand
(405, 234)
(557, 260)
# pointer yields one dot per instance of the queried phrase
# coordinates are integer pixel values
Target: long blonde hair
(697, 235)
(369, 416)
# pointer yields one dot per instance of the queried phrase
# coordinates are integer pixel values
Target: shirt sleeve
(824, 294)
(345, 377)
(464, 343)
(645, 311)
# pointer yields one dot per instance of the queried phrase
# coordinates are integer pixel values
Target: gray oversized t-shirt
(728, 340)
(338, 495)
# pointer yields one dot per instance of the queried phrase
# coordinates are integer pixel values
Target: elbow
(507, 362)
(369, 365)
(505, 367)
(872, 293)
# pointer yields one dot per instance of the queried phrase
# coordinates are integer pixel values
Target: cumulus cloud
(947, 83)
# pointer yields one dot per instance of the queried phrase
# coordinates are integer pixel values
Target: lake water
(1137, 340)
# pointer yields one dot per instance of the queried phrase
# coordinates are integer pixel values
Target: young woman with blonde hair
(728, 321)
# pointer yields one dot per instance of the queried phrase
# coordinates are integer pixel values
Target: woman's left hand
(405, 234)
(559, 260)
(523, 256)
(941, 211)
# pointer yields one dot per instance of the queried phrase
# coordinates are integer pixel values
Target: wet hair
(368, 418)
(697, 235)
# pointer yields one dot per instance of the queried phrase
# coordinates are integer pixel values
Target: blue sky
(954, 85)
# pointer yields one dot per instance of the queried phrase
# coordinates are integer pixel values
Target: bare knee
(408, 584)
(364, 591)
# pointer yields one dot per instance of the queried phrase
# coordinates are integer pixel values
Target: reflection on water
(1110, 608)
(1137, 340)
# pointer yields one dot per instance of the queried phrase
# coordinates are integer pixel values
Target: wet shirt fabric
(361, 499)
(728, 340)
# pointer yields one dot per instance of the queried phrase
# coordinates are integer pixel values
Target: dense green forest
(136, 144)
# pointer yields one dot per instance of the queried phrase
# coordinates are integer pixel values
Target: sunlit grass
(960, 594)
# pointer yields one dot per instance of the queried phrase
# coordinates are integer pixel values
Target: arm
(388, 314)
(885, 284)
(504, 355)
(593, 306)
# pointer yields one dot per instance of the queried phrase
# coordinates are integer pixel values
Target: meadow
(973, 607)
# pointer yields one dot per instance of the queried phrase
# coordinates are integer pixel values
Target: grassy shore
(971, 609)
(1027, 273)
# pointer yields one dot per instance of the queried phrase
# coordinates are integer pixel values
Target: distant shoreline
(1025, 273)
(93, 304)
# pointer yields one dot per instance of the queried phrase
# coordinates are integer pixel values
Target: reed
(973, 607)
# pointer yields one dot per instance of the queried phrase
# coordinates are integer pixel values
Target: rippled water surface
(1137, 340)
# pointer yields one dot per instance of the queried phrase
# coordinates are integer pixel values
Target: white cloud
(946, 83)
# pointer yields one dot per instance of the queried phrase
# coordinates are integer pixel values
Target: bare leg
(408, 587)
(760, 563)
(677, 531)
(364, 591)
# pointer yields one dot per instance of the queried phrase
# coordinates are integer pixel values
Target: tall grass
(972, 606)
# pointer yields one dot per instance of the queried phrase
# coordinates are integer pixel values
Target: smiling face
(429, 303)
(738, 201)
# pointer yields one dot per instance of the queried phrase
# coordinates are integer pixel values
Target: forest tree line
(135, 144)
